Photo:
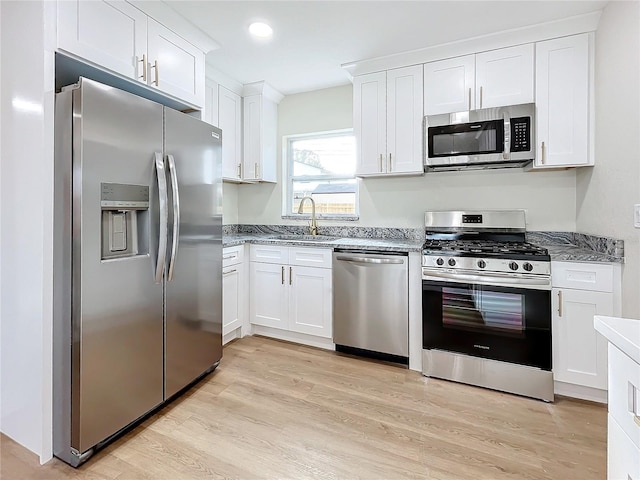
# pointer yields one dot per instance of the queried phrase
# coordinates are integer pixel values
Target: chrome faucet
(313, 228)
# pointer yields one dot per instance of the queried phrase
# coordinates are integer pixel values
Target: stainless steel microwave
(500, 137)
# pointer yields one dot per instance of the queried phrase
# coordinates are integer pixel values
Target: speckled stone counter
(578, 247)
(357, 238)
(383, 245)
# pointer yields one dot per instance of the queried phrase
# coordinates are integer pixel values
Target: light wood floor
(278, 410)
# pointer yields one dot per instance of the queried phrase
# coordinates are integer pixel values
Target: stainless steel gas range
(486, 303)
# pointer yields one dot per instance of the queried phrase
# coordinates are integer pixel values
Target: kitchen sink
(306, 238)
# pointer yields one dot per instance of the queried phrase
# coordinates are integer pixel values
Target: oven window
(477, 309)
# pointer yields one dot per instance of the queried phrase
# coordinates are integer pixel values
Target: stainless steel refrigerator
(138, 261)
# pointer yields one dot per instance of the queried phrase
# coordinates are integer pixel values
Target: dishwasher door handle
(386, 261)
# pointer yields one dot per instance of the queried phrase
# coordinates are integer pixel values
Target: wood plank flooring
(276, 410)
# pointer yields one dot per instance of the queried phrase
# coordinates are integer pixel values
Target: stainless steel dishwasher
(371, 304)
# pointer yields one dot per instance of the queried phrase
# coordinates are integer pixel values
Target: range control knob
(527, 266)
(451, 262)
(482, 263)
(440, 261)
(513, 266)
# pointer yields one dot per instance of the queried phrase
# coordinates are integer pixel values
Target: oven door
(475, 138)
(505, 323)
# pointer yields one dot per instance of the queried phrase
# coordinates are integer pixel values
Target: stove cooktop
(488, 248)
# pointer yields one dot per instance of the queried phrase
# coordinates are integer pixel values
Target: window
(321, 166)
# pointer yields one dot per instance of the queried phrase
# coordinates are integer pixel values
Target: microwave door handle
(176, 214)
(164, 217)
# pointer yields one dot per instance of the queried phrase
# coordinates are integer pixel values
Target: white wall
(606, 193)
(548, 197)
(25, 226)
(229, 203)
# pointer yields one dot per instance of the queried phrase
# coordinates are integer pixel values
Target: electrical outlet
(636, 215)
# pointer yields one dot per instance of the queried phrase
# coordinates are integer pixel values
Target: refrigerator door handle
(164, 217)
(176, 214)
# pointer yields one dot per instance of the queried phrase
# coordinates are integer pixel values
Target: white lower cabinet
(232, 292)
(580, 291)
(623, 440)
(290, 289)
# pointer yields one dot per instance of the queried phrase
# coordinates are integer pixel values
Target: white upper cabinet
(387, 119)
(370, 122)
(490, 79)
(230, 122)
(117, 36)
(563, 82)
(211, 102)
(504, 77)
(112, 34)
(175, 66)
(449, 85)
(260, 131)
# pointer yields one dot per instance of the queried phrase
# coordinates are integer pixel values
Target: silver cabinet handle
(544, 153)
(228, 257)
(164, 217)
(144, 67)
(239, 170)
(390, 168)
(156, 82)
(480, 97)
(345, 258)
(256, 170)
(380, 162)
(282, 275)
(290, 275)
(229, 271)
(176, 214)
(469, 98)
(559, 303)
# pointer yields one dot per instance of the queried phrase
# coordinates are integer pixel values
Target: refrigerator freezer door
(193, 298)
(117, 322)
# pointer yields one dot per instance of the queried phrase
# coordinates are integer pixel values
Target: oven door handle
(490, 280)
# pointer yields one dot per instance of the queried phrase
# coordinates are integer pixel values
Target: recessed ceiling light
(260, 30)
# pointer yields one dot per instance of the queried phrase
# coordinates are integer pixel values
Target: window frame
(289, 179)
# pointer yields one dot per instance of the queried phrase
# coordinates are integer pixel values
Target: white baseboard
(578, 391)
(295, 337)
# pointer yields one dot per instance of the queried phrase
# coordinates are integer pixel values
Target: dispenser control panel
(124, 197)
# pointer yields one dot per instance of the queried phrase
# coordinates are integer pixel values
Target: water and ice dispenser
(125, 215)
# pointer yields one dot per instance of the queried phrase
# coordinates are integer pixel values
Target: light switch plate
(636, 215)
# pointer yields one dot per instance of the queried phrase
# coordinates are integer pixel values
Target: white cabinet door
(623, 456)
(211, 104)
(562, 101)
(260, 137)
(504, 77)
(449, 85)
(112, 34)
(230, 122)
(175, 66)
(231, 281)
(310, 301)
(579, 352)
(269, 295)
(370, 122)
(404, 120)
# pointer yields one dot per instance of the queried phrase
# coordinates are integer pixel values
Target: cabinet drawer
(269, 254)
(624, 393)
(310, 257)
(623, 457)
(582, 276)
(232, 255)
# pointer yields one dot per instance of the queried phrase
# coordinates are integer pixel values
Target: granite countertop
(577, 247)
(380, 244)
(572, 253)
(624, 333)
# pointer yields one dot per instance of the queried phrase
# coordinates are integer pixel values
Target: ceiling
(313, 38)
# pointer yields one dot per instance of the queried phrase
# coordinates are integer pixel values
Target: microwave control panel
(521, 134)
